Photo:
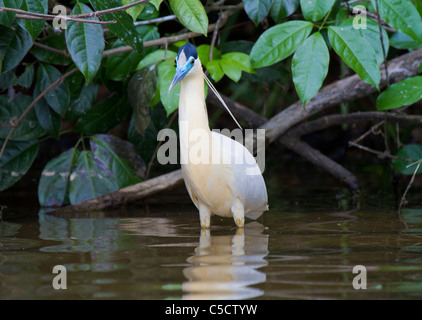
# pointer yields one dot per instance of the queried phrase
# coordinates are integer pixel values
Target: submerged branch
(128, 195)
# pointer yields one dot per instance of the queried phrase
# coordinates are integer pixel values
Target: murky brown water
(297, 250)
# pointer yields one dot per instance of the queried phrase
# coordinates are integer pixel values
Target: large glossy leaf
(53, 187)
(234, 63)
(16, 161)
(411, 152)
(403, 93)
(402, 16)
(169, 99)
(85, 43)
(49, 120)
(82, 102)
(120, 156)
(357, 53)
(135, 11)
(155, 57)
(27, 77)
(257, 10)
(104, 115)
(6, 18)
(216, 72)
(315, 10)
(58, 97)
(124, 27)
(403, 41)
(278, 42)
(28, 128)
(191, 14)
(280, 9)
(34, 27)
(310, 66)
(90, 179)
(141, 90)
(15, 42)
(55, 41)
(371, 34)
(118, 66)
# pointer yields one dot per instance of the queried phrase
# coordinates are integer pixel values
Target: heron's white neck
(194, 130)
(192, 108)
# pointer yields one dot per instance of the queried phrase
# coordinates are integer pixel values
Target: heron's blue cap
(185, 61)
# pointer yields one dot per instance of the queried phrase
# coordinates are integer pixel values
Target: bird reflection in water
(224, 267)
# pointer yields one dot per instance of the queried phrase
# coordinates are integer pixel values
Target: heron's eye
(192, 62)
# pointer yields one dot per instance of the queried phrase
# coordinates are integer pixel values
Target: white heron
(225, 188)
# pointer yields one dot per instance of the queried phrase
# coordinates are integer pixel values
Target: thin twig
(67, 18)
(159, 42)
(61, 52)
(77, 16)
(403, 198)
(215, 34)
(382, 44)
(157, 20)
(31, 105)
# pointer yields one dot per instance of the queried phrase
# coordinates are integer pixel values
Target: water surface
(305, 247)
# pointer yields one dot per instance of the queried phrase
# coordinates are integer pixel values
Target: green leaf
(155, 57)
(156, 3)
(403, 93)
(49, 120)
(119, 155)
(118, 66)
(310, 66)
(27, 77)
(90, 179)
(28, 128)
(124, 27)
(280, 9)
(170, 100)
(16, 161)
(230, 69)
(57, 97)
(141, 90)
(315, 10)
(191, 14)
(411, 152)
(82, 102)
(204, 53)
(234, 63)
(371, 34)
(55, 41)
(403, 41)
(357, 53)
(278, 42)
(85, 43)
(215, 70)
(135, 11)
(34, 27)
(6, 18)
(53, 187)
(104, 115)
(14, 44)
(146, 145)
(257, 10)
(402, 16)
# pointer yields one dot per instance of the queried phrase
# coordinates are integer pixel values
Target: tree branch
(131, 194)
(348, 89)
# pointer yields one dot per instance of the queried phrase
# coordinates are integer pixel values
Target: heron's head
(185, 61)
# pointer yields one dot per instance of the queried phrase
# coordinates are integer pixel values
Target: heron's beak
(178, 76)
